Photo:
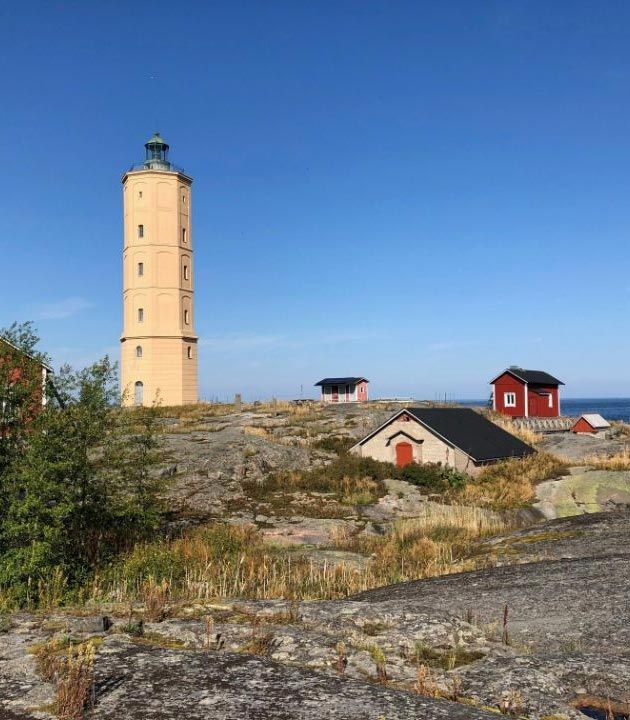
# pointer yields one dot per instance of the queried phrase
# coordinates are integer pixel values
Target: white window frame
(509, 399)
(550, 400)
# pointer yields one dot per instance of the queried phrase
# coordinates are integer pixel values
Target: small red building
(591, 423)
(23, 382)
(343, 389)
(526, 393)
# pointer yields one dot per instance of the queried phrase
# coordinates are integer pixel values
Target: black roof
(469, 431)
(341, 381)
(536, 377)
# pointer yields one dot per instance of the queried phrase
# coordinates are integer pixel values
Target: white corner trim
(526, 400)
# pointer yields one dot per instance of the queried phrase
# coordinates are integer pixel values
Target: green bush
(433, 477)
(334, 444)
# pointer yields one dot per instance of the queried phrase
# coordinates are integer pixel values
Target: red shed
(591, 423)
(526, 393)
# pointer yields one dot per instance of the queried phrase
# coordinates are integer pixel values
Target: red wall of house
(581, 426)
(508, 383)
(362, 392)
(539, 406)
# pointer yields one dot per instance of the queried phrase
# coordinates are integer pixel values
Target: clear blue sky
(419, 192)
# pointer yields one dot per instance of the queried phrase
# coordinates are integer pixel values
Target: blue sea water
(609, 408)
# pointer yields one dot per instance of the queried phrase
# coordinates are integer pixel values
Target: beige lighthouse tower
(159, 345)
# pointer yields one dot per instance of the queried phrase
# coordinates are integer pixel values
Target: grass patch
(522, 433)
(444, 659)
(224, 561)
(446, 540)
(349, 480)
(510, 483)
(618, 461)
(334, 444)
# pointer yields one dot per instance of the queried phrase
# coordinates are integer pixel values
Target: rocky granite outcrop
(564, 643)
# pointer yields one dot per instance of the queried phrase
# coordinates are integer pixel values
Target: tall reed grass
(223, 561)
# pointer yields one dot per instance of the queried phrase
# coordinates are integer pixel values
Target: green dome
(156, 139)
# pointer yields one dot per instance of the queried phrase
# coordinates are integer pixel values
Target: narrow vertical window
(140, 230)
(186, 317)
(185, 272)
(139, 351)
(189, 352)
(140, 269)
(140, 314)
(139, 194)
(139, 393)
(184, 235)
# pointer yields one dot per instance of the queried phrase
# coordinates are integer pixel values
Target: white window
(140, 269)
(140, 230)
(140, 314)
(509, 399)
(139, 351)
(550, 396)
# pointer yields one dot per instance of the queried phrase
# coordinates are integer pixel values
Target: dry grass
(510, 483)
(194, 413)
(442, 542)
(256, 431)
(155, 596)
(70, 666)
(619, 461)
(285, 407)
(222, 561)
(525, 434)
(74, 689)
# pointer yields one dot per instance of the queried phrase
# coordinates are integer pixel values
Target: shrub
(334, 444)
(435, 477)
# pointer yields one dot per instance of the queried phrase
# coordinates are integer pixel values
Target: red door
(335, 393)
(404, 454)
(533, 406)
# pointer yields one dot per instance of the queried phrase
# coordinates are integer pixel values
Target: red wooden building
(591, 423)
(20, 373)
(526, 393)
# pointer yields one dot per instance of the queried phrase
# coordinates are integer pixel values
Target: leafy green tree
(83, 486)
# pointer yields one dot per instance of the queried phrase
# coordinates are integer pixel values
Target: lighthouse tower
(158, 343)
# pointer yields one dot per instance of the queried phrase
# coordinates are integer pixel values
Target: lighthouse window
(186, 316)
(139, 351)
(140, 314)
(189, 352)
(140, 194)
(185, 272)
(140, 230)
(183, 235)
(140, 269)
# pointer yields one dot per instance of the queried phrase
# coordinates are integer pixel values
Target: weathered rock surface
(567, 637)
(568, 610)
(584, 491)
